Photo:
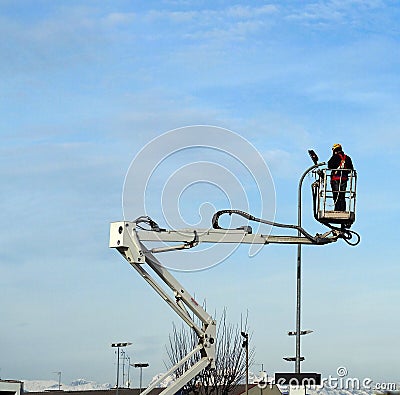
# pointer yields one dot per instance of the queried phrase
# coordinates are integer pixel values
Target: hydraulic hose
(346, 235)
(250, 217)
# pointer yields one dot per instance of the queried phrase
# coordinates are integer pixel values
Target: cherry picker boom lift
(128, 238)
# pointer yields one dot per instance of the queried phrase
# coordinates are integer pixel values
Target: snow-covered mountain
(76, 385)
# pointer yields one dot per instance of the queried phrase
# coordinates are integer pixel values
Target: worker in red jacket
(339, 177)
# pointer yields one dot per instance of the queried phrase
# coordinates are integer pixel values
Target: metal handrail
(325, 198)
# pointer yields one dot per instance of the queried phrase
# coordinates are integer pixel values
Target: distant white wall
(11, 387)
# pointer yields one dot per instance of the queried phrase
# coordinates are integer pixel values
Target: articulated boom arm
(124, 237)
(127, 238)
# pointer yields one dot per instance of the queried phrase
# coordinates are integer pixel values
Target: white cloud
(212, 15)
(280, 162)
(246, 12)
(175, 16)
(318, 12)
(119, 18)
(217, 24)
(326, 13)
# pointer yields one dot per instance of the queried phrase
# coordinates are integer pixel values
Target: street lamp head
(141, 365)
(121, 344)
(293, 359)
(306, 332)
(313, 156)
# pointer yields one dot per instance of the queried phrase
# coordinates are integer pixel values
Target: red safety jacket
(340, 175)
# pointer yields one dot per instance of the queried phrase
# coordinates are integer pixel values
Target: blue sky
(87, 84)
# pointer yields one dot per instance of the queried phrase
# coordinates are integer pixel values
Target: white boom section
(124, 238)
(226, 236)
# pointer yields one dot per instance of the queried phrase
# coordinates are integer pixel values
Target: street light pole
(141, 366)
(118, 346)
(245, 345)
(59, 380)
(298, 274)
(123, 354)
(129, 368)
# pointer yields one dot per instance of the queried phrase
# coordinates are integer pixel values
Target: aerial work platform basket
(324, 198)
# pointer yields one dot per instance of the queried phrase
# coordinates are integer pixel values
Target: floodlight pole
(59, 380)
(298, 275)
(118, 346)
(129, 368)
(124, 358)
(141, 366)
(245, 344)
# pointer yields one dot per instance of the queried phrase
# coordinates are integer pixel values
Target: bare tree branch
(230, 361)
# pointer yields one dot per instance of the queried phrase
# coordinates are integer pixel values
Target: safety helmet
(336, 147)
